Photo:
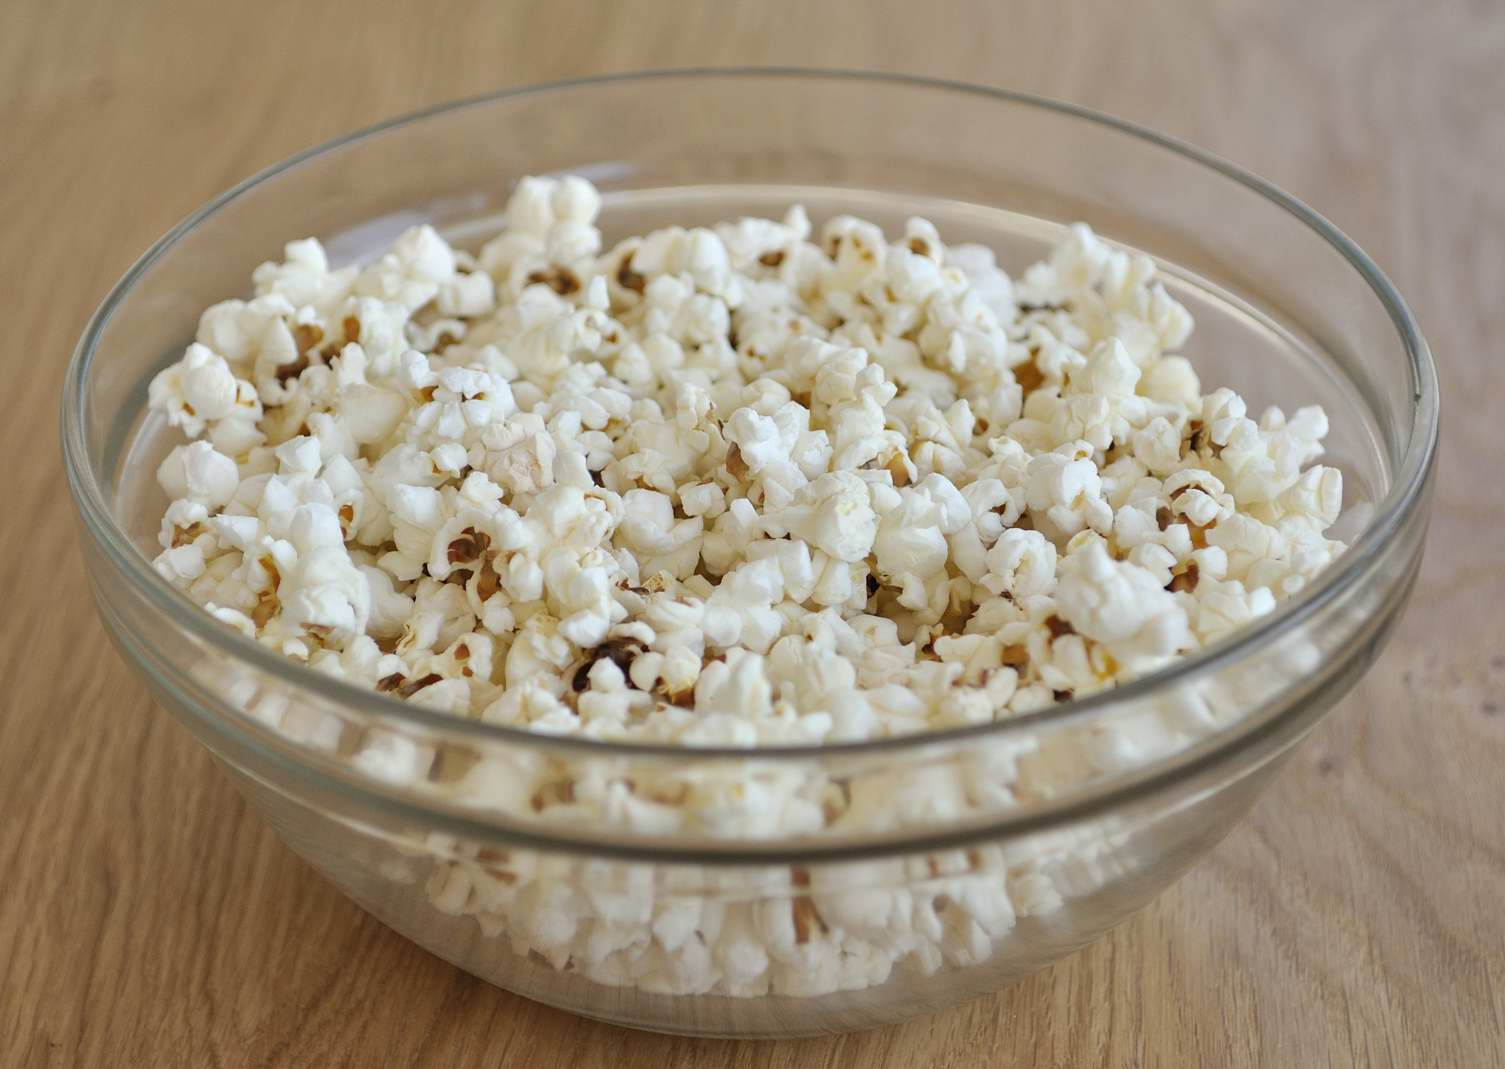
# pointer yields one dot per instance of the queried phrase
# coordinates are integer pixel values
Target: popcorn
(834, 515)
(727, 486)
(198, 390)
(1120, 605)
(1021, 564)
(198, 473)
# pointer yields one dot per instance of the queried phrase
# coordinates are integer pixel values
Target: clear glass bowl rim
(1405, 495)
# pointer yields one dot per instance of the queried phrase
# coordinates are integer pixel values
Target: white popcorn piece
(199, 473)
(835, 515)
(200, 389)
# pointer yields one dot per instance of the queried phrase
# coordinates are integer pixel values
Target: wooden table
(147, 918)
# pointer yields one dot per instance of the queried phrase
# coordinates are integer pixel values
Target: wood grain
(147, 918)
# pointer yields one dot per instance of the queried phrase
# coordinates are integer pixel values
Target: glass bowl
(747, 927)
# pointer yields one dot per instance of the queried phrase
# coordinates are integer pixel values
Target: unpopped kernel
(738, 485)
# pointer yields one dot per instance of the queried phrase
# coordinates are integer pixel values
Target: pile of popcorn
(731, 486)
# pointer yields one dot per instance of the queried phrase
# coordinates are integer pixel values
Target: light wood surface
(146, 916)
